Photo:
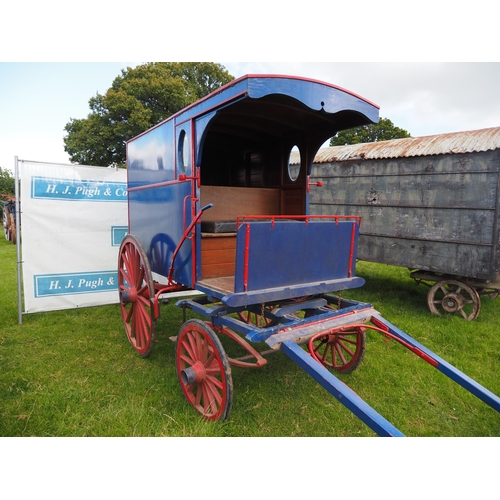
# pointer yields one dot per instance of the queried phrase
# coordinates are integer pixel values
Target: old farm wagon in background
(430, 204)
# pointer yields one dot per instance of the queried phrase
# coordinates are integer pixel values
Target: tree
(7, 182)
(138, 99)
(384, 130)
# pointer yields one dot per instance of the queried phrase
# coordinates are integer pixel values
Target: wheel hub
(452, 302)
(128, 296)
(194, 373)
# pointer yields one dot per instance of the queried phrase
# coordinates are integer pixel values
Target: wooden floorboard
(223, 284)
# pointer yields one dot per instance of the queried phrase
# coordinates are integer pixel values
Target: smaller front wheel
(203, 370)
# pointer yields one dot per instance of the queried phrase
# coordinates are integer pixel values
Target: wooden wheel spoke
(214, 395)
(127, 318)
(124, 276)
(128, 268)
(139, 282)
(340, 353)
(188, 354)
(349, 340)
(328, 351)
(208, 406)
(341, 346)
(198, 394)
(144, 303)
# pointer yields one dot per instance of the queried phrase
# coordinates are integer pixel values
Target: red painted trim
(259, 360)
(381, 327)
(196, 179)
(245, 262)
(272, 218)
(351, 250)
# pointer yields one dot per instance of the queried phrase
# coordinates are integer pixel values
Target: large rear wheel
(136, 289)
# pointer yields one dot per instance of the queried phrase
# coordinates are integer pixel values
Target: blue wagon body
(219, 203)
(239, 138)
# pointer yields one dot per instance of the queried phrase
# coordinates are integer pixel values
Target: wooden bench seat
(218, 224)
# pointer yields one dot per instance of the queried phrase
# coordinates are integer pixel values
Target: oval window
(183, 151)
(294, 162)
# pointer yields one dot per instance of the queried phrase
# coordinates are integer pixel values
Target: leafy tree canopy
(7, 182)
(384, 130)
(138, 99)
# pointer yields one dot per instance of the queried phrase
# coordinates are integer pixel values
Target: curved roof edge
(470, 141)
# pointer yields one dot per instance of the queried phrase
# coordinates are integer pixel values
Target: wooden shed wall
(435, 213)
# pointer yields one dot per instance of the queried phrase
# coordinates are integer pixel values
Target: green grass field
(73, 373)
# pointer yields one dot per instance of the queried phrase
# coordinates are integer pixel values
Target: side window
(294, 161)
(183, 152)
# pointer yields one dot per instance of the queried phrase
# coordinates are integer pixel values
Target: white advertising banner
(73, 220)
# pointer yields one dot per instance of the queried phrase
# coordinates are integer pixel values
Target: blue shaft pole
(444, 367)
(339, 390)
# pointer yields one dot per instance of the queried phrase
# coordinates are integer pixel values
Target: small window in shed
(183, 151)
(294, 163)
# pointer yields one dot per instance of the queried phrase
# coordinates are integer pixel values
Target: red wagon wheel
(342, 350)
(252, 318)
(452, 296)
(203, 370)
(136, 289)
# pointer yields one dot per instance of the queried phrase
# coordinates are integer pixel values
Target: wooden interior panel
(293, 201)
(230, 202)
(218, 255)
(218, 250)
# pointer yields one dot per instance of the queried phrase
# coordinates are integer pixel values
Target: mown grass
(73, 373)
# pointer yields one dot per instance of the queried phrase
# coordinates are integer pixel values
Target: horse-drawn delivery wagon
(215, 206)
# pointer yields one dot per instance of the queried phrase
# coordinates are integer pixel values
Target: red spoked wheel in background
(252, 318)
(136, 289)
(340, 350)
(203, 370)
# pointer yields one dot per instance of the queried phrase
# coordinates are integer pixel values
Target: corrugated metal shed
(453, 143)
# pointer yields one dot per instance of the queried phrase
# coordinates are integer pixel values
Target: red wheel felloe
(341, 350)
(203, 370)
(136, 289)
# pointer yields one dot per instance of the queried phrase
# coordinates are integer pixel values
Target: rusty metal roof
(453, 143)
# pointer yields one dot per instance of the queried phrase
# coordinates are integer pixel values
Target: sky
(37, 99)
